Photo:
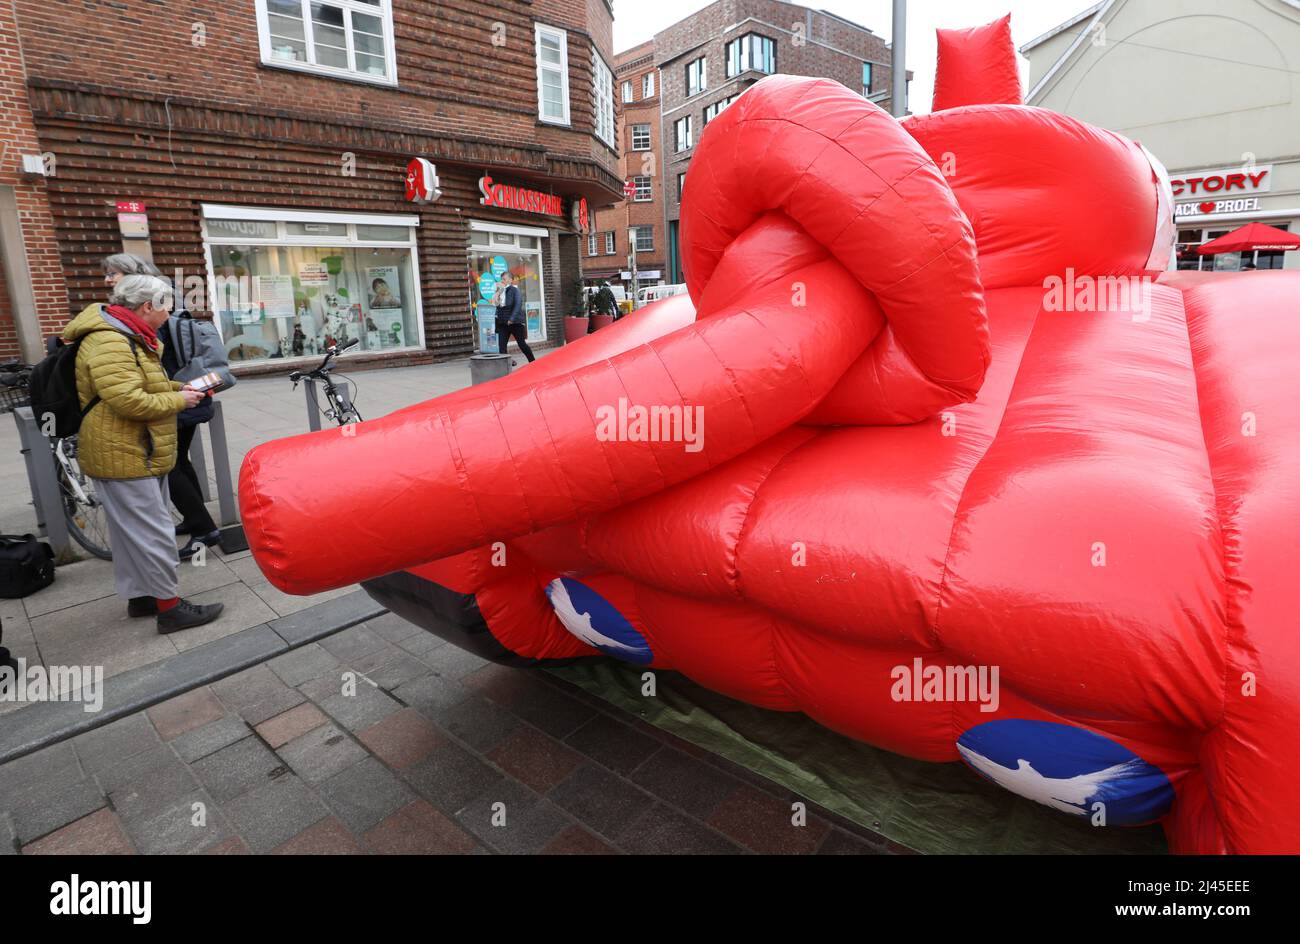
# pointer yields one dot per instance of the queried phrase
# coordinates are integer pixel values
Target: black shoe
(210, 539)
(184, 528)
(142, 606)
(187, 615)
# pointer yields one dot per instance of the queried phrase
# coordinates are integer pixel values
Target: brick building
(33, 294)
(269, 143)
(638, 220)
(706, 60)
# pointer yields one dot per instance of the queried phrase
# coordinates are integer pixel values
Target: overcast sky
(635, 21)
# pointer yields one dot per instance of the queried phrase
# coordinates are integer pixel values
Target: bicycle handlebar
(323, 368)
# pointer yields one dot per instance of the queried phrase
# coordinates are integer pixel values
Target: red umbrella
(1249, 238)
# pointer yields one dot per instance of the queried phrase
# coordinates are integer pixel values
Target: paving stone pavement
(376, 740)
(79, 621)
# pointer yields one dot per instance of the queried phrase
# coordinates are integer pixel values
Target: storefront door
(495, 249)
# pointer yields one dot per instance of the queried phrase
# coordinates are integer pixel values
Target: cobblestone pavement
(384, 739)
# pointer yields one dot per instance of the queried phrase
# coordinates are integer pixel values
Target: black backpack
(26, 565)
(53, 390)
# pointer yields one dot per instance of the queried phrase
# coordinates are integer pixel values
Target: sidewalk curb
(41, 725)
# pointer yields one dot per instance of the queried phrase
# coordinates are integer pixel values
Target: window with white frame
(645, 238)
(751, 52)
(682, 133)
(609, 243)
(552, 75)
(697, 76)
(866, 78)
(644, 190)
(602, 93)
(591, 244)
(352, 38)
(717, 108)
(681, 186)
(290, 283)
(627, 91)
(520, 249)
(640, 137)
(647, 85)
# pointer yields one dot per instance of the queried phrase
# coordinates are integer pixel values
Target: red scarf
(134, 322)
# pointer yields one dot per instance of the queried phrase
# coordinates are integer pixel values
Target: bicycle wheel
(86, 517)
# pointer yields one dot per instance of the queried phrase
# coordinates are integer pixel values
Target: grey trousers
(143, 536)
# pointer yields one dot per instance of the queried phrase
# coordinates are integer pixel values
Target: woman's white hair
(134, 290)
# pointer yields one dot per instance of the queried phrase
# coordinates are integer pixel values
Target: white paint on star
(1069, 794)
(580, 623)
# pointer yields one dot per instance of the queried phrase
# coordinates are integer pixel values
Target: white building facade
(1211, 87)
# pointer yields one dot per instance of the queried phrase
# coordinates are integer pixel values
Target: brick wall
(209, 123)
(632, 66)
(18, 137)
(452, 78)
(808, 42)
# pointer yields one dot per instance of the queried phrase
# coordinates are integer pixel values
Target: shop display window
(292, 288)
(492, 253)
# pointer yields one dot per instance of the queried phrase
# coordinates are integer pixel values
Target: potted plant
(605, 308)
(575, 322)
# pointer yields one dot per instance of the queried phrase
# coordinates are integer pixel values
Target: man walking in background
(510, 318)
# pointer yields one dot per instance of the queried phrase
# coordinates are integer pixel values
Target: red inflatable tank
(934, 452)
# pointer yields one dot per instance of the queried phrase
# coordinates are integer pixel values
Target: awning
(1251, 238)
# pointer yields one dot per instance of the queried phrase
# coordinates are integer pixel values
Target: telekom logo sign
(1226, 181)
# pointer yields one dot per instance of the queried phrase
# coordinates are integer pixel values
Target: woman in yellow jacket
(127, 444)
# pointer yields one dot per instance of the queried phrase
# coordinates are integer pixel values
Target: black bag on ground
(53, 390)
(26, 565)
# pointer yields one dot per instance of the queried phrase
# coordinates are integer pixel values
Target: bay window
(751, 53)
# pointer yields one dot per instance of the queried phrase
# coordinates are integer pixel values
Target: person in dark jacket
(511, 321)
(183, 481)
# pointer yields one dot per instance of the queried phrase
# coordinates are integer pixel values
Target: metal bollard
(44, 482)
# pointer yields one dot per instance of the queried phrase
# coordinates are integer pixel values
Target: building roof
(1039, 40)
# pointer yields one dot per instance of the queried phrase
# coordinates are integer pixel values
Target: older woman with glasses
(127, 443)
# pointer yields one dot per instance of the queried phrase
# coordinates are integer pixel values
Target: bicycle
(340, 407)
(85, 516)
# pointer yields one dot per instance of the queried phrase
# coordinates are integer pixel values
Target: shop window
(602, 93)
(283, 288)
(644, 190)
(609, 243)
(352, 38)
(645, 238)
(682, 133)
(640, 137)
(552, 75)
(751, 53)
(697, 76)
(521, 255)
(647, 85)
(627, 91)
(866, 79)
